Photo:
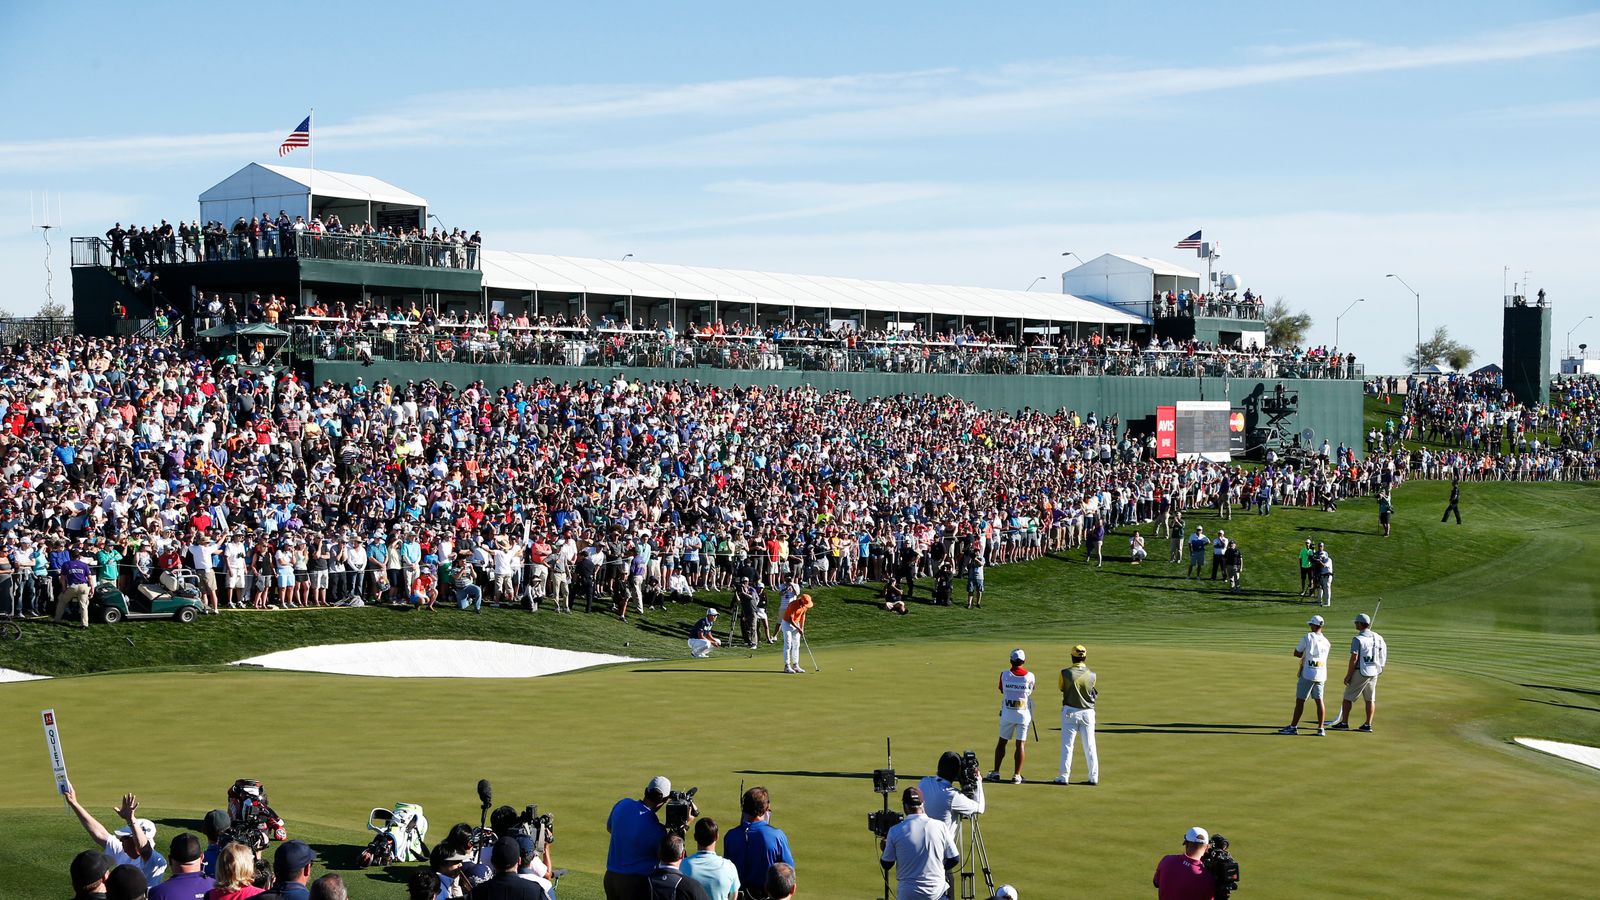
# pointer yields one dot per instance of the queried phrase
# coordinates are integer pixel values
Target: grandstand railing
(95, 251)
(1208, 309)
(618, 348)
(34, 329)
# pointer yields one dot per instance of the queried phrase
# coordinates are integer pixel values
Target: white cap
(145, 825)
(659, 786)
(711, 610)
(1315, 620)
(1018, 656)
(1006, 892)
(1196, 835)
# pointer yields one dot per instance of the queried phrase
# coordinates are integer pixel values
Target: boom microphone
(485, 795)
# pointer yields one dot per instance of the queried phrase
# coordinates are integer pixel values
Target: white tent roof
(1156, 266)
(260, 180)
(538, 272)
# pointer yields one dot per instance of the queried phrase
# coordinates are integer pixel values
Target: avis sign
(1166, 432)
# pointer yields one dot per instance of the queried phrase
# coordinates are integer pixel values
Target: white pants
(1075, 721)
(791, 646)
(699, 648)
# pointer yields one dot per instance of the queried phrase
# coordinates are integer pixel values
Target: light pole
(1032, 283)
(1418, 360)
(1571, 330)
(1076, 257)
(1342, 315)
(626, 257)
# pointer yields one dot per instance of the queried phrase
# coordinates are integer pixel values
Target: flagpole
(311, 196)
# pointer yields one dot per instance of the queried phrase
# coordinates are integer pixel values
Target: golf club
(814, 666)
(1339, 716)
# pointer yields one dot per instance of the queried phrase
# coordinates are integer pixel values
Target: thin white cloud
(792, 119)
(1555, 110)
(798, 200)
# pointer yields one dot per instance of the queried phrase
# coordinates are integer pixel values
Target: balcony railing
(581, 347)
(94, 251)
(1207, 309)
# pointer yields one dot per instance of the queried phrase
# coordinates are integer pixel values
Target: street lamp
(1418, 366)
(1342, 315)
(626, 257)
(1571, 330)
(1076, 257)
(1032, 283)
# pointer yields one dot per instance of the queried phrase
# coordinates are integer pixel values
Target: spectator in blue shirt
(755, 844)
(636, 835)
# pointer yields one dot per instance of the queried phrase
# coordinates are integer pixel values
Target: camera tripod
(974, 858)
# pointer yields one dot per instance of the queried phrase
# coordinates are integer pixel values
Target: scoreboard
(1199, 429)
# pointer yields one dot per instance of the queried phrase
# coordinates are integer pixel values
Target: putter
(1339, 716)
(814, 666)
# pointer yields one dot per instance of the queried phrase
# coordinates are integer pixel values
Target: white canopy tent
(779, 293)
(1128, 282)
(258, 188)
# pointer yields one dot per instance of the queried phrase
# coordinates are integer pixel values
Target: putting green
(1492, 629)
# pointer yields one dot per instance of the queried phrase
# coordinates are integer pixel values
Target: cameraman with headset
(942, 800)
(636, 835)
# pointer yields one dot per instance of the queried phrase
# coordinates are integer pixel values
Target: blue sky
(959, 143)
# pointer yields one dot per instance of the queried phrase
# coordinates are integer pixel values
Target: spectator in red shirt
(1182, 876)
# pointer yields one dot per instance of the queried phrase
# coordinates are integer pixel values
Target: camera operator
(755, 844)
(1183, 876)
(943, 800)
(921, 851)
(667, 882)
(506, 857)
(636, 834)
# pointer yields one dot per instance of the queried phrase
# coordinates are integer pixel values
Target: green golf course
(1493, 629)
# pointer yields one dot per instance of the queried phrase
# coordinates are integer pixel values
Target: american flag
(300, 137)
(1192, 242)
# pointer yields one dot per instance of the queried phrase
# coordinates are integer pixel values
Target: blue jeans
(469, 594)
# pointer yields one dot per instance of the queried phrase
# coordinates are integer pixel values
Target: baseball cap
(1315, 620)
(1363, 619)
(89, 867)
(1196, 835)
(1080, 651)
(185, 848)
(506, 854)
(127, 880)
(216, 822)
(911, 796)
(443, 854)
(292, 857)
(659, 786)
(711, 610)
(1006, 892)
(1018, 656)
(145, 825)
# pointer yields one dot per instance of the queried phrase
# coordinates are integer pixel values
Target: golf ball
(852, 668)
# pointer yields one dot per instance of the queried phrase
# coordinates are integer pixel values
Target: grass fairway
(1494, 630)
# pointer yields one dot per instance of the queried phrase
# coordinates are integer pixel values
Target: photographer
(636, 834)
(1183, 876)
(921, 851)
(755, 844)
(943, 800)
(506, 857)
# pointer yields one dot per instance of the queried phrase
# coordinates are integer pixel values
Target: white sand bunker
(13, 675)
(433, 659)
(1578, 753)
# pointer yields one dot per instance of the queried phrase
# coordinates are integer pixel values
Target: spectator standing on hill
(1312, 673)
(77, 579)
(1219, 552)
(1198, 542)
(1385, 511)
(1307, 568)
(1233, 562)
(1455, 501)
(1324, 564)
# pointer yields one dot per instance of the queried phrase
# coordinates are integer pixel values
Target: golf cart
(149, 601)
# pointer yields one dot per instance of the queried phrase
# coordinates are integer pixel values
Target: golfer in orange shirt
(793, 628)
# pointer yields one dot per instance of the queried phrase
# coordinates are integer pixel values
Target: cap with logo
(1196, 835)
(659, 786)
(711, 611)
(1080, 652)
(1018, 656)
(1315, 620)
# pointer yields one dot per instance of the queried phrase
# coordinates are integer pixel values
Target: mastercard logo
(1236, 421)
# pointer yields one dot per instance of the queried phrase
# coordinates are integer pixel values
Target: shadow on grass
(719, 671)
(1335, 530)
(808, 774)
(193, 825)
(1181, 728)
(1561, 705)
(1569, 690)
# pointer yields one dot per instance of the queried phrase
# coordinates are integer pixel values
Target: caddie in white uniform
(1016, 714)
(1078, 693)
(1369, 653)
(1312, 651)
